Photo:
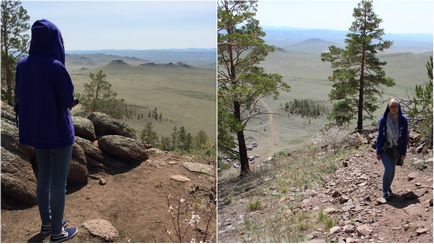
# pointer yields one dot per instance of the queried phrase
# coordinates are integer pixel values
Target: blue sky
(94, 25)
(399, 16)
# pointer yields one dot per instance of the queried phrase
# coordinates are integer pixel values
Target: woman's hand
(378, 156)
(402, 157)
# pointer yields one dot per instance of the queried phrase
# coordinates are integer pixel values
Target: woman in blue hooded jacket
(44, 93)
(392, 143)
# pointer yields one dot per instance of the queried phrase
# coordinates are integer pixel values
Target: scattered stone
(420, 231)
(330, 210)
(344, 164)
(364, 230)
(198, 167)
(336, 194)
(335, 229)
(102, 181)
(420, 192)
(351, 240)
(411, 176)
(172, 162)
(349, 228)
(102, 228)
(343, 199)
(180, 178)
(405, 227)
(381, 200)
(316, 241)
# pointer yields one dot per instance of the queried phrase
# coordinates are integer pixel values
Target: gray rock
(17, 179)
(381, 200)
(364, 230)
(7, 112)
(10, 141)
(106, 125)
(197, 167)
(84, 128)
(102, 228)
(78, 173)
(90, 150)
(411, 176)
(335, 229)
(180, 178)
(126, 149)
(421, 231)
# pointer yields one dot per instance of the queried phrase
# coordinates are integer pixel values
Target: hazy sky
(399, 16)
(93, 25)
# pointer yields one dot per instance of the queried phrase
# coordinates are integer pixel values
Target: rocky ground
(321, 196)
(118, 188)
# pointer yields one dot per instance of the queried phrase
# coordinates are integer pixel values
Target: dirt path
(270, 206)
(273, 131)
(133, 201)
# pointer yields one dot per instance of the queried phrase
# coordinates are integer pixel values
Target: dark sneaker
(67, 233)
(46, 229)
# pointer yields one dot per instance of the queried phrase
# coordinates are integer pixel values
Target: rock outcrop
(123, 148)
(17, 179)
(84, 128)
(106, 125)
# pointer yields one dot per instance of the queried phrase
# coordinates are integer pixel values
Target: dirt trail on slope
(133, 201)
(273, 131)
(347, 196)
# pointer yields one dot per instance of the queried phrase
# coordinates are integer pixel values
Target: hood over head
(47, 40)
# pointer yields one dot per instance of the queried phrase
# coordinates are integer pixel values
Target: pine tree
(181, 138)
(174, 138)
(421, 111)
(14, 43)
(358, 74)
(149, 136)
(241, 81)
(99, 96)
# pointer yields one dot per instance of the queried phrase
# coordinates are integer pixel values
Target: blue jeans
(389, 172)
(53, 166)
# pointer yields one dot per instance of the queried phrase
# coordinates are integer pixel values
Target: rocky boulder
(106, 125)
(123, 148)
(10, 141)
(90, 150)
(78, 172)
(17, 179)
(84, 128)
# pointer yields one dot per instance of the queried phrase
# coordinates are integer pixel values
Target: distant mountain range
(316, 40)
(202, 58)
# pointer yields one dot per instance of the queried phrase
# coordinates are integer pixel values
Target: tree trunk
(242, 149)
(361, 86)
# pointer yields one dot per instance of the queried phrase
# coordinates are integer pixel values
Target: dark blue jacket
(44, 91)
(403, 128)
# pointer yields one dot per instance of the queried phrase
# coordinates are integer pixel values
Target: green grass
(326, 220)
(308, 77)
(186, 97)
(255, 205)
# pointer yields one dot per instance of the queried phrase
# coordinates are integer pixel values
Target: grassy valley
(184, 93)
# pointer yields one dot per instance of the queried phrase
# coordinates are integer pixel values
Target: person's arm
(380, 138)
(404, 139)
(63, 85)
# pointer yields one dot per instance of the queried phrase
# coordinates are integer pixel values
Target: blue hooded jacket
(403, 132)
(44, 91)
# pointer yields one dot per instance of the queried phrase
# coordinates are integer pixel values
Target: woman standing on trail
(44, 93)
(392, 143)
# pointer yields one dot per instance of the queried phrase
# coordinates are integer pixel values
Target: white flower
(170, 209)
(182, 200)
(193, 240)
(195, 218)
(168, 232)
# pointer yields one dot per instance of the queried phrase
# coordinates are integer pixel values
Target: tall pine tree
(14, 44)
(241, 81)
(358, 75)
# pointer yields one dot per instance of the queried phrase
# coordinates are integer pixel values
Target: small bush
(253, 206)
(328, 221)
